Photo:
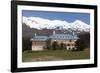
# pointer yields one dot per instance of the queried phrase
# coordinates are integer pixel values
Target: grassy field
(54, 55)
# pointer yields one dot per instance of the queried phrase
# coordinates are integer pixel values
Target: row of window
(68, 37)
(70, 44)
(67, 40)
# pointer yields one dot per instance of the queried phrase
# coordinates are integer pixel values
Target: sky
(65, 16)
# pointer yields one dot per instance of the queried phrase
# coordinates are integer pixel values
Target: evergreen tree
(26, 44)
(55, 45)
(83, 41)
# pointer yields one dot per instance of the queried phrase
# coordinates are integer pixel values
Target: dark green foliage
(80, 44)
(83, 42)
(86, 38)
(55, 45)
(26, 44)
(48, 45)
(63, 46)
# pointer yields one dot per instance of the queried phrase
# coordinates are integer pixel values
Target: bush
(26, 44)
(55, 45)
(80, 44)
(62, 46)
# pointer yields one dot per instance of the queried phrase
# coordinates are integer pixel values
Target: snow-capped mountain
(41, 23)
(80, 26)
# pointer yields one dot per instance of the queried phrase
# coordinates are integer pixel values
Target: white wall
(5, 37)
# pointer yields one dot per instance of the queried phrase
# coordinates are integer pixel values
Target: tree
(55, 45)
(26, 44)
(48, 45)
(62, 46)
(80, 44)
(83, 41)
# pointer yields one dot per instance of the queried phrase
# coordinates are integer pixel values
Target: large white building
(39, 41)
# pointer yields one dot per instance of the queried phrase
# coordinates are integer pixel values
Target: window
(70, 40)
(68, 44)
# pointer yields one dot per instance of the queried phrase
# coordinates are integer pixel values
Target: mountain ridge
(41, 23)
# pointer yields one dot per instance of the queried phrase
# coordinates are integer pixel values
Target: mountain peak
(41, 23)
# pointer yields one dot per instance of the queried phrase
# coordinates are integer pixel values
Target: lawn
(54, 55)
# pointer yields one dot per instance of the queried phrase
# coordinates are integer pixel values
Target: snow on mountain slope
(41, 23)
(80, 26)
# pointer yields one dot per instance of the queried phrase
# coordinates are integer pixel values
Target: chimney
(73, 33)
(53, 32)
(35, 34)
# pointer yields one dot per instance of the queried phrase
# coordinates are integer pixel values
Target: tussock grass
(54, 55)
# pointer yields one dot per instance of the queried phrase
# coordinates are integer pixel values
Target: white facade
(37, 48)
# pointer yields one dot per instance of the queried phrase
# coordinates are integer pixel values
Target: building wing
(64, 37)
(39, 38)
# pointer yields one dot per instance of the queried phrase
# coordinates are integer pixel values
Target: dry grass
(52, 55)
